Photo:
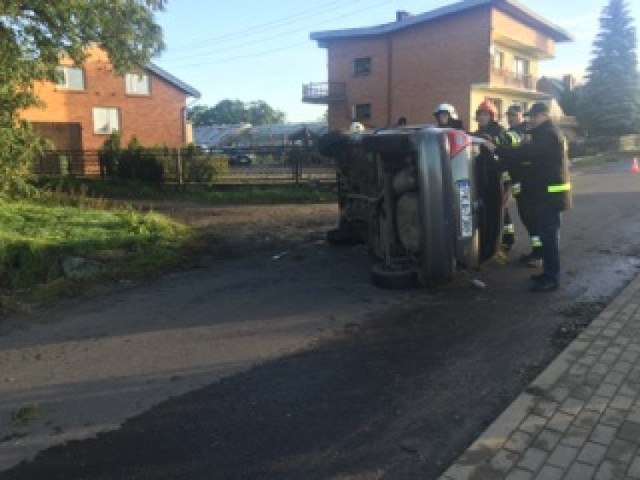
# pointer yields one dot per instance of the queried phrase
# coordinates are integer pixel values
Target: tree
(260, 113)
(34, 34)
(610, 104)
(228, 112)
(569, 101)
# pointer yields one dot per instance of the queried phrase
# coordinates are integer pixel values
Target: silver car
(427, 201)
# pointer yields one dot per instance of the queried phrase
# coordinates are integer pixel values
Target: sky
(260, 50)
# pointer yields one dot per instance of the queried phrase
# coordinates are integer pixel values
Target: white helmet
(356, 127)
(446, 107)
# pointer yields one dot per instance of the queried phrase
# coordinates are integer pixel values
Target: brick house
(92, 101)
(460, 54)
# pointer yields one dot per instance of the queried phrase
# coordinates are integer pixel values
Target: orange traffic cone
(635, 168)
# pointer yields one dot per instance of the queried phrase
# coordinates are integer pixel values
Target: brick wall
(431, 63)
(154, 119)
(416, 68)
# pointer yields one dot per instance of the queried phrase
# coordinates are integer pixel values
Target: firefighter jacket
(497, 134)
(546, 179)
(516, 135)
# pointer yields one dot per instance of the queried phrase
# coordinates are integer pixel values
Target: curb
(473, 464)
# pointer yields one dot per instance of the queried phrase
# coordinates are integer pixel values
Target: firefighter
(518, 126)
(548, 182)
(490, 129)
(446, 117)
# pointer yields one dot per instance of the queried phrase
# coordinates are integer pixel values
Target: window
(362, 66)
(71, 78)
(497, 60)
(362, 111)
(520, 66)
(106, 120)
(137, 84)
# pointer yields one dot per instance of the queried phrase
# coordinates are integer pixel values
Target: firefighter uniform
(547, 180)
(521, 192)
(498, 135)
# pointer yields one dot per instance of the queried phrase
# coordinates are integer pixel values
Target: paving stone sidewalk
(580, 419)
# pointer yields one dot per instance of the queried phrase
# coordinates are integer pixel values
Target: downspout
(389, 78)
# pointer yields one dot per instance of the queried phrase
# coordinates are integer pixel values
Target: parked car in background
(244, 159)
(422, 198)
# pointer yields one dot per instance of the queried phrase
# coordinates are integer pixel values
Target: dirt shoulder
(231, 231)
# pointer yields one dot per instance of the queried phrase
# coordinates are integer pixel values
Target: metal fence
(296, 165)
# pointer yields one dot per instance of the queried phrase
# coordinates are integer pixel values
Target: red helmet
(488, 106)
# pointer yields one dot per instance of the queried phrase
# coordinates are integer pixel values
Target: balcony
(506, 78)
(324, 93)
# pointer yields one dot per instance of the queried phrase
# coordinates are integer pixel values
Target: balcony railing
(507, 78)
(324, 93)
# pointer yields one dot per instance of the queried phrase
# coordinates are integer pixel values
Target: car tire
(437, 203)
(393, 278)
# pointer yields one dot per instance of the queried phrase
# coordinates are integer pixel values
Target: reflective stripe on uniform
(516, 188)
(506, 177)
(514, 137)
(536, 242)
(564, 187)
(509, 228)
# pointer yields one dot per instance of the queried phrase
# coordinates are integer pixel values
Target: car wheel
(437, 203)
(394, 278)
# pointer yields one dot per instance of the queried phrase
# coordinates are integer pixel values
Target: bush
(200, 167)
(140, 163)
(108, 154)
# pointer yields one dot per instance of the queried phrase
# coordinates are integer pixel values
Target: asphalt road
(356, 383)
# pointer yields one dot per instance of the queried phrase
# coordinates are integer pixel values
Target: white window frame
(106, 120)
(519, 62)
(133, 82)
(497, 59)
(67, 72)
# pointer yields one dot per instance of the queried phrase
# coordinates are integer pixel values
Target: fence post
(179, 166)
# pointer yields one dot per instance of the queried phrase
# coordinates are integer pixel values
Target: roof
(176, 82)
(510, 7)
(218, 135)
(260, 135)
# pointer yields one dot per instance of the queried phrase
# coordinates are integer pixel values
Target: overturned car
(425, 200)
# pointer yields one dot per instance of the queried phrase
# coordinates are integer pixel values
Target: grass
(216, 194)
(25, 415)
(38, 239)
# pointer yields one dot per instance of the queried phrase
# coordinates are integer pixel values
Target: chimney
(569, 82)
(401, 15)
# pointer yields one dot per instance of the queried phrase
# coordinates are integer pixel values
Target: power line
(250, 31)
(239, 57)
(359, 11)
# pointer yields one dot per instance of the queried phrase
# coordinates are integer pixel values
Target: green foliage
(36, 238)
(228, 112)
(108, 154)
(610, 103)
(141, 163)
(214, 194)
(18, 146)
(200, 167)
(34, 34)
(569, 101)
